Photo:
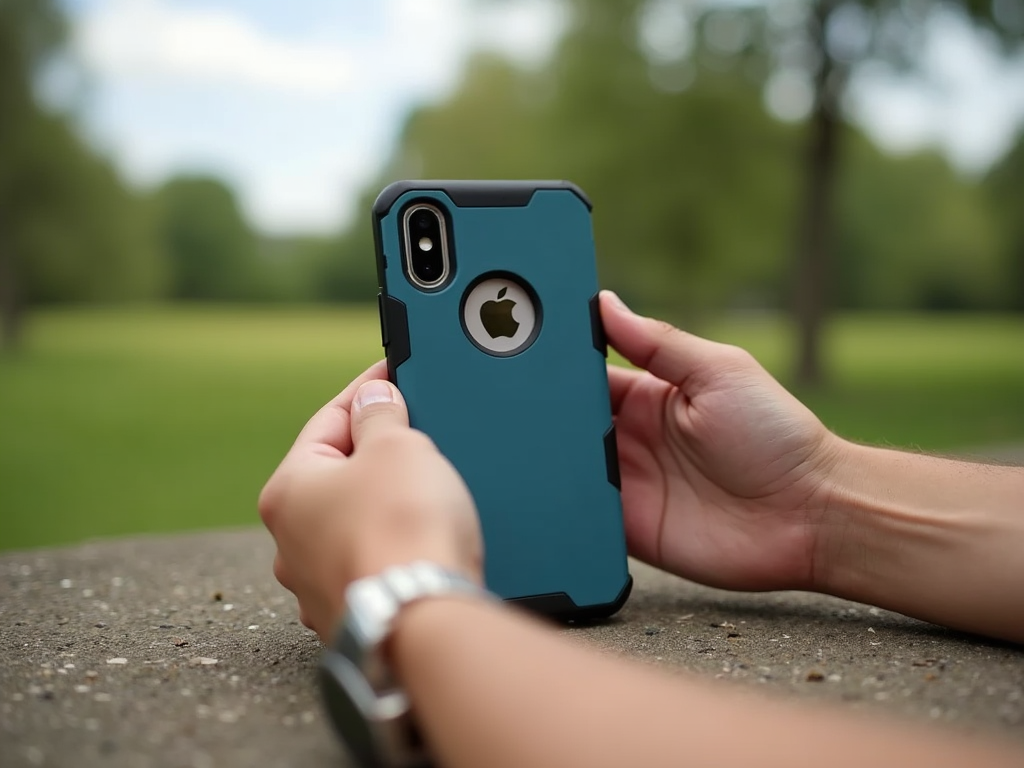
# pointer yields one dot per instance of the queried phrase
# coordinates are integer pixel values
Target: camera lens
(427, 257)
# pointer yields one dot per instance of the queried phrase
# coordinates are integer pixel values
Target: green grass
(123, 421)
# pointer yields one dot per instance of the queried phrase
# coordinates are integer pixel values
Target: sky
(297, 104)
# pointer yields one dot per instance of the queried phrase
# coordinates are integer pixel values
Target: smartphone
(491, 329)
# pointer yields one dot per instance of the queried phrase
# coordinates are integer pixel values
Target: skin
(726, 479)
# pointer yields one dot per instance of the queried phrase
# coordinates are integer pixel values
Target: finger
(378, 407)
(330, 427)
(667, 352)
(620, 382)
(282, 574)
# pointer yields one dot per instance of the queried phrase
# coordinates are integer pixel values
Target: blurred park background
(186, 267)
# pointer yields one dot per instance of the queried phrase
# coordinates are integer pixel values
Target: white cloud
(140, 38)
(300, 124)
(966, 100)
(301, 120)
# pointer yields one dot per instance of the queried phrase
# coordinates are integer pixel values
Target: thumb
(377, 407)
(654, 345)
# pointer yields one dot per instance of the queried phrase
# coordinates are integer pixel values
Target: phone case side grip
(395, 333)
(597, 327)
(474, 194)
(611, 457)
(560, 607)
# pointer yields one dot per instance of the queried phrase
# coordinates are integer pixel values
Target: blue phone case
(531, 432)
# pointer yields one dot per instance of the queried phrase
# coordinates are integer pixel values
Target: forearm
(937, 539)
(491, 687)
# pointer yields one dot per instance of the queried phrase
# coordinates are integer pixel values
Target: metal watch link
(369, 709)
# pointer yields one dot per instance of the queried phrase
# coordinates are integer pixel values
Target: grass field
(122, 421)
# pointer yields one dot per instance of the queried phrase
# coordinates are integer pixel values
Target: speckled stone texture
(183, 651)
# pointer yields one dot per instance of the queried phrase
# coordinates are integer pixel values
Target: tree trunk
(816, 217)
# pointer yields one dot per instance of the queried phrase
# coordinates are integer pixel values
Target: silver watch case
(368, 708)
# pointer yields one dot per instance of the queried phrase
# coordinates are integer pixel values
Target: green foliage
(211, 249)
(690, 191)
(69, 229)
(694, 185)
(1005, 194)
(914, 234)
(119, 421)
(80, 234)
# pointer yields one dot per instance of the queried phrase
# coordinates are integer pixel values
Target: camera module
(427, 257)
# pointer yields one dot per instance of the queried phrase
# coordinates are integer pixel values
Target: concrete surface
(183, 651)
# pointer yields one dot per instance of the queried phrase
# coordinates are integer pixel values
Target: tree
(70, 230)
(912, 234)
(30, 30)
(843, 34)
(1005, 188)
(211, 250)
(691, 191)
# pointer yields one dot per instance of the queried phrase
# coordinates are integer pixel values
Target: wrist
(925, 536)
(376, 554)
(872, 520)
(365, 698)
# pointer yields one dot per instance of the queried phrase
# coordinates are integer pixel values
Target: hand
(360, 491)
(724, 473)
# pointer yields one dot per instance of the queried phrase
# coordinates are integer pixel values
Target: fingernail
(376, 391)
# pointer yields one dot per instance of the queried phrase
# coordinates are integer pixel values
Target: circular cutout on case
(501, 314)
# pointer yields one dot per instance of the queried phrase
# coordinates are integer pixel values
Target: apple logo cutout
(500, 315)
(496, 316)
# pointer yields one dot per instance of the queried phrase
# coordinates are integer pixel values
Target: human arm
(934, 538)
(729, 480)
(360, 491)
(494, 688)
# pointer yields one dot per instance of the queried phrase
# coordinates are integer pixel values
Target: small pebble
(228, 606)
(66, 583)
(118, 660)
(814, 676)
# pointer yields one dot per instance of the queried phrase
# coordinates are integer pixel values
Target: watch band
(367, 706)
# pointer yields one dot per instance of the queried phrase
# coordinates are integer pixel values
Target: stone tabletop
(183, 651)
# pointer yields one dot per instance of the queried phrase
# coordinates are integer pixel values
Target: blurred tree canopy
(1005, 188)
(210, 247)
(703, 200)
(69, 229)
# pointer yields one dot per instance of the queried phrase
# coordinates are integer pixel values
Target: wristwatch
(369, 709)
